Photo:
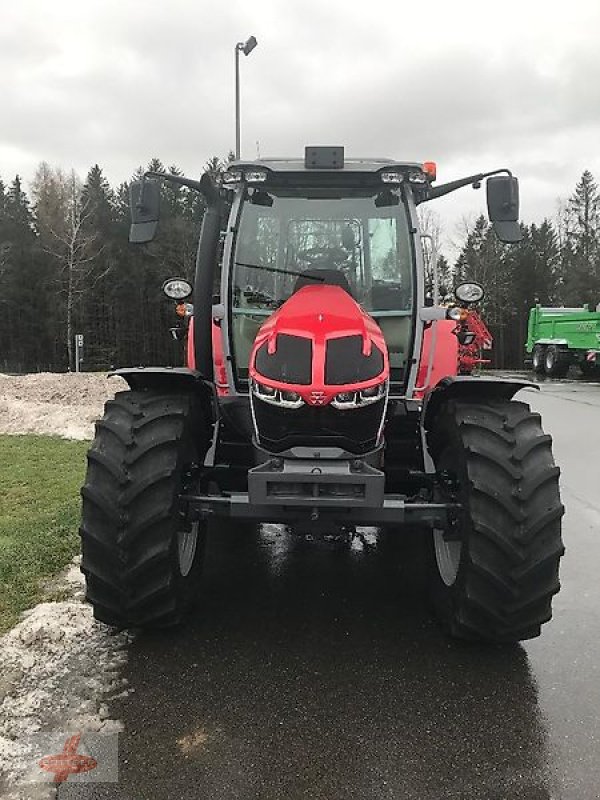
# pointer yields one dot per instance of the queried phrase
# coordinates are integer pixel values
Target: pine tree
(483, 259)
(21, 275)
(98, 198)
(581, 250)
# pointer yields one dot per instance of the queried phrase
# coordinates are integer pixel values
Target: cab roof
(368, 165)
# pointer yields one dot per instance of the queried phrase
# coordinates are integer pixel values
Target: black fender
(471, 387)
(172, 379)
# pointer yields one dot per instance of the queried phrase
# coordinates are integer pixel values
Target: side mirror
(144, 204)
(503, 207)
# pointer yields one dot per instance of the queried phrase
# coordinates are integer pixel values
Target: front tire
(494, 577)
(141, 557)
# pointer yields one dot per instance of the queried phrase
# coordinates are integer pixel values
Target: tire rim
(549, 361)
(187, 542)
(447, 555)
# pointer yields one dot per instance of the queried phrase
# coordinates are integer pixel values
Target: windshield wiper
(280, 271)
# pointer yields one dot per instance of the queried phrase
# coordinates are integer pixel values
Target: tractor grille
(290, 363)
(355, 430)
(345, 362)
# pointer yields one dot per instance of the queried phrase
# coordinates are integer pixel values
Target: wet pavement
(318, 672)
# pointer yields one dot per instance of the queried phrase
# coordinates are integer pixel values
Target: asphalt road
(319, 673)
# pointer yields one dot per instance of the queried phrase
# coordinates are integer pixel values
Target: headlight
(470, 292)
(177, 288)
(363, 397)
(233, 176)
(249, 175)
(391, 177)
(277, 397)
(255, 176)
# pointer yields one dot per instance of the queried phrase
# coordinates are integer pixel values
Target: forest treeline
(66, 268)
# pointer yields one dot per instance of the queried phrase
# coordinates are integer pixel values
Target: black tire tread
(509, 569)
(130, 512)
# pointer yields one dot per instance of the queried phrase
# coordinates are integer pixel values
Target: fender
(171, 379)
(472, 387)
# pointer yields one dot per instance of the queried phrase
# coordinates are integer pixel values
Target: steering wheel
(321, 256)
(255, 297)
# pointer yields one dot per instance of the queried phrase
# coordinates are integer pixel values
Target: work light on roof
(255, 176)
(233, 176)
(248, 175)
(391, 176)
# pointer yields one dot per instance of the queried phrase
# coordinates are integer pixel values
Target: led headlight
(391, 177)
(417, 177)
(255, 176)
(233, 176)
(177, 288)
(357, 399)
(469, 292)
(277, 397)
(248, 175)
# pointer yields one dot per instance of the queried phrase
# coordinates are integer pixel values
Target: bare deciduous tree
(61, 216)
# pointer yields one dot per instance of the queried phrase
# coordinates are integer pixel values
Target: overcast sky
(471, 85)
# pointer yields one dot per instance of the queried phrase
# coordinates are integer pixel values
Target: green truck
(559, 337)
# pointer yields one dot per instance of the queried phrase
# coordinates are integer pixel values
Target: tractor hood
(319, 373)
(319, 343)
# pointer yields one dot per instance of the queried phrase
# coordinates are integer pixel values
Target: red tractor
(315, 396)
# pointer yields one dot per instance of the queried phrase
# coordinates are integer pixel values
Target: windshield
(360, 242)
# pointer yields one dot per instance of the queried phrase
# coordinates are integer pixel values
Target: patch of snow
(59, 404)
(58, 667)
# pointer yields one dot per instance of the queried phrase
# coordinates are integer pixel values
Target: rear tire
(141, 557)
(537, 359)
(556, 362)
(589, 369)
(495, 581)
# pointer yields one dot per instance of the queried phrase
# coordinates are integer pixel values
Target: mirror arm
(446, 188)
(205, 186)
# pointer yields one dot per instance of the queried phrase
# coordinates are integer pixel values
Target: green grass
(40, 478)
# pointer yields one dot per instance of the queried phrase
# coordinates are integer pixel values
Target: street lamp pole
(246, 48)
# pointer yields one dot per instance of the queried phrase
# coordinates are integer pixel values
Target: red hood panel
(320, 313)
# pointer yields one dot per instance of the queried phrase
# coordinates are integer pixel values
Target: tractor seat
(331, 277)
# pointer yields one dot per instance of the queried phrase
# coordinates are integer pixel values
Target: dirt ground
(65, 404)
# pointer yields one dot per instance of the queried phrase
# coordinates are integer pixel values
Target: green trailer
(559, 337)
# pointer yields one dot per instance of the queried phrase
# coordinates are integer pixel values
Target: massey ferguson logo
(317, 398)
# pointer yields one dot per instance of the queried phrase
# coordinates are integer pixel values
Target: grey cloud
(159, 81)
